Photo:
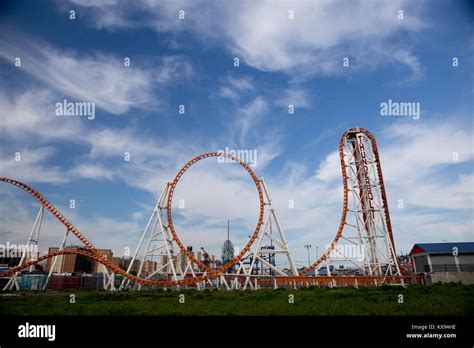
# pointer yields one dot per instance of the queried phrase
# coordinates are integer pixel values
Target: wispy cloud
(232, 88)
(91, 171)
(249, 116)
(295, 96)
(32, 165)
(268, 39)
(99, 78)
(410, 61)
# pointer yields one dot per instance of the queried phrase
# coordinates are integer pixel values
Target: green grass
(442, 299)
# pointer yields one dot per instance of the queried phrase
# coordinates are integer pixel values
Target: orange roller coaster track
(92, 252)
(95, 255)
(342, 223)
(260, 217)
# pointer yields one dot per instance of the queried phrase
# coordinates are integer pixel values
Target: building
(445, 262)
(97, 266)
(72, 263)
(148, 267)
(443, 257)
(124, 262)
(181, 261)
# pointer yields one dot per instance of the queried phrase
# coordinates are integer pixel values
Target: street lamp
(307, 246)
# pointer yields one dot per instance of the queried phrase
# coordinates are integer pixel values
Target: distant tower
(227, 248)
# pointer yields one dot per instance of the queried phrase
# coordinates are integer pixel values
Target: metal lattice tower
(369, 209)
(365, 223)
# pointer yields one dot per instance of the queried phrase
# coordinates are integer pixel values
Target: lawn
(446, 299)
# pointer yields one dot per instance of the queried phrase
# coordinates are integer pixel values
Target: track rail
(92, 252)
(342, 223)
(260, 216)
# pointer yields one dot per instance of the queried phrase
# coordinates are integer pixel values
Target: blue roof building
(443, 257)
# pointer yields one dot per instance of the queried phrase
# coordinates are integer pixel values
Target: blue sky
(190, 62)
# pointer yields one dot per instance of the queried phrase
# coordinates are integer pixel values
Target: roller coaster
(365, 222)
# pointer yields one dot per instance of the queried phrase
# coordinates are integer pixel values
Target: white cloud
(30, 115)
(276, 46)
(172, 70)
(16, 224)
(413, 157)
(295, 96)
(114, 143)
(269, 149)
(411, 61)
(330, 169)
(242, 84)
(29, 126)
(33, 166)
(232, 88)
(213, 192)
(99, 78)
(270, 41)
(426, 147)
(249, 116)
(315, 41)
(91, 171)
(436, 205)
(227, 92)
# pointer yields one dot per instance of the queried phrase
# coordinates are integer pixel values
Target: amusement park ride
(365, 224)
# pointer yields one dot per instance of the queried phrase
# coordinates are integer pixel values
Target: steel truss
(32, 243)
(159, 247)
(29, 257)
(365, 221)
(162, 249)
(256, 254)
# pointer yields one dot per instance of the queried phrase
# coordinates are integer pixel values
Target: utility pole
(307, 246)
(316, 272)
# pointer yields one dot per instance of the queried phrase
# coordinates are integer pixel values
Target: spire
(228, 247)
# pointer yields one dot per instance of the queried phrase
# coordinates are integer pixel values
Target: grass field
(447, 299)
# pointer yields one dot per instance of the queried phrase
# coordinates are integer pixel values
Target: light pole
(307, 246)
(316, 272)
